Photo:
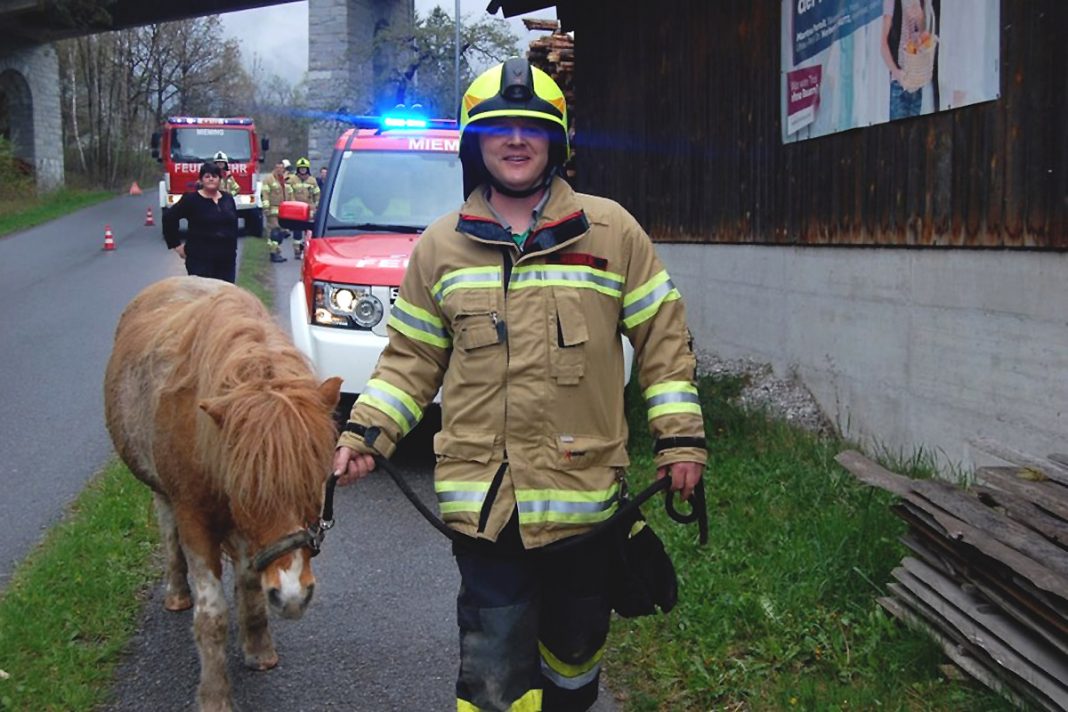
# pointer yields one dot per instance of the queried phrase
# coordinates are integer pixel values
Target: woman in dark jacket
(210, 248)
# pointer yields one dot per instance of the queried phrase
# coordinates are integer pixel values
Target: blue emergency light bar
(381, 123)
(401, 122)
(199, 121)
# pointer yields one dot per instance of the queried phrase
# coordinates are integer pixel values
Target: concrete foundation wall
(37, 125)
(902, 348)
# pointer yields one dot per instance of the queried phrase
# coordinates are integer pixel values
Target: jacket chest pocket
(567, 363)
(475, 323)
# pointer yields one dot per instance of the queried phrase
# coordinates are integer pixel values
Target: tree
(426, 74)
(117, 88)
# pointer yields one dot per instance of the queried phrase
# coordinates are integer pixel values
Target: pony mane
(272, 448)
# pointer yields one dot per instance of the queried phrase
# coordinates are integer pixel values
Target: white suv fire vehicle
(388, 179)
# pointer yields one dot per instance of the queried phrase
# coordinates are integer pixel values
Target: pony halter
(311, 536)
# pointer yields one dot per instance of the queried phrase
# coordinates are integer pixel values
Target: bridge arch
(30, 112)
(16, 115)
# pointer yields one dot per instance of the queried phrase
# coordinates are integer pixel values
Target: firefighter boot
(276, 251)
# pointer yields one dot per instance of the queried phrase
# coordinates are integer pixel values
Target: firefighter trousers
(532, 625)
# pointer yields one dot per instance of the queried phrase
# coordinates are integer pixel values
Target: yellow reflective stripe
(467, 278)
(392, 401)
(456, 497)
(644, 302)
(565, 669)
(529, 702)
(566, 506)
(579, 276)
(672, 397)
(418, 324)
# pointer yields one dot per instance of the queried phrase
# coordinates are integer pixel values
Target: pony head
(273, 445)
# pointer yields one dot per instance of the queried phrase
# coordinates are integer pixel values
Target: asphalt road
(380, 635)
(60, 298)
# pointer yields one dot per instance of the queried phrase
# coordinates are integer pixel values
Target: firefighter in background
(306, 190)
(513, 306)
(274, 189)
(229, 183)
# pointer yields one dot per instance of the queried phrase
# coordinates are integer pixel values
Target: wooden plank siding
(679, 119)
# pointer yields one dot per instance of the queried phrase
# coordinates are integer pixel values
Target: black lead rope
(698, 512)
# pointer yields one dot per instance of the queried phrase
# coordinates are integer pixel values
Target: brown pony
(209, 403)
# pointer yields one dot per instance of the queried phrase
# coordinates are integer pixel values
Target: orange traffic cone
(148, 217)
(135, 189)
(109, 241)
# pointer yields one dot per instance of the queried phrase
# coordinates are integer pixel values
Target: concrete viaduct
(30, 115)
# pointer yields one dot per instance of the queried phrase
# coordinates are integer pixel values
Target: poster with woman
(853, 63)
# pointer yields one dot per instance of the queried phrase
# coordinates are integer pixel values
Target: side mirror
(155, 153)
(295, 215)
(265, 144)
(155, 143)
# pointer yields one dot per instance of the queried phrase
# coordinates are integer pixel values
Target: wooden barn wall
(678, 118)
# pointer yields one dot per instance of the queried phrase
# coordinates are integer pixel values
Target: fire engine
(389, 177)
(186, 142)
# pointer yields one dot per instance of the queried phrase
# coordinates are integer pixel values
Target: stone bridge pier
(30, 113)
(347, 67)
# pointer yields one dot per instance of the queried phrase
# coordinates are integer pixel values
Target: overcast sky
(278, 35)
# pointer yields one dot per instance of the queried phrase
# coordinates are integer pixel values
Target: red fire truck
(388, 179)
(185, 142)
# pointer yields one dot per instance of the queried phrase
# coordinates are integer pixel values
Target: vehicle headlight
(368, 311)
(345, 306)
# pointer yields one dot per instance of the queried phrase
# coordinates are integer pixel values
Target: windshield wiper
(379, 227)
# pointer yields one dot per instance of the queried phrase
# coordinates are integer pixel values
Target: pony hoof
(177, 602)
(264, 661)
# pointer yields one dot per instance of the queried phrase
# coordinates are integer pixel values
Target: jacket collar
(562, 220)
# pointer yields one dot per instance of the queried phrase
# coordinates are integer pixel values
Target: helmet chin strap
(525, 193)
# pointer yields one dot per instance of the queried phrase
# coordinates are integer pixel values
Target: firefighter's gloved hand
(351, 466)
(684, 476)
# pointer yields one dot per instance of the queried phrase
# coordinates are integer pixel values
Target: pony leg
(210, 625)
(256, 642)
(177, 597)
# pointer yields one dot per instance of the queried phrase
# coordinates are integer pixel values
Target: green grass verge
(254, 269)
(778, 611)
(73, 603)
(22, 214)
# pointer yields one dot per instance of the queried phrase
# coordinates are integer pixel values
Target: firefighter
(229, 183)
(513, 306)
(273, 190)
(306, 190)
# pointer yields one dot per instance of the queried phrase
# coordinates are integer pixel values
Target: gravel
(782, 398)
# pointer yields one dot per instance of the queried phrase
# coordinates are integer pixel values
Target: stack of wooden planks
(555, 55)
(987, 574)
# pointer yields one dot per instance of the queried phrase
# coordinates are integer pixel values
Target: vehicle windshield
(394, 190)
(201, 143)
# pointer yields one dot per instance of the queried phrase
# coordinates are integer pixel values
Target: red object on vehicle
(109, 241)
(184, 143)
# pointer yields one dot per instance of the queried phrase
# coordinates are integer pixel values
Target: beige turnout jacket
(527, 350)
